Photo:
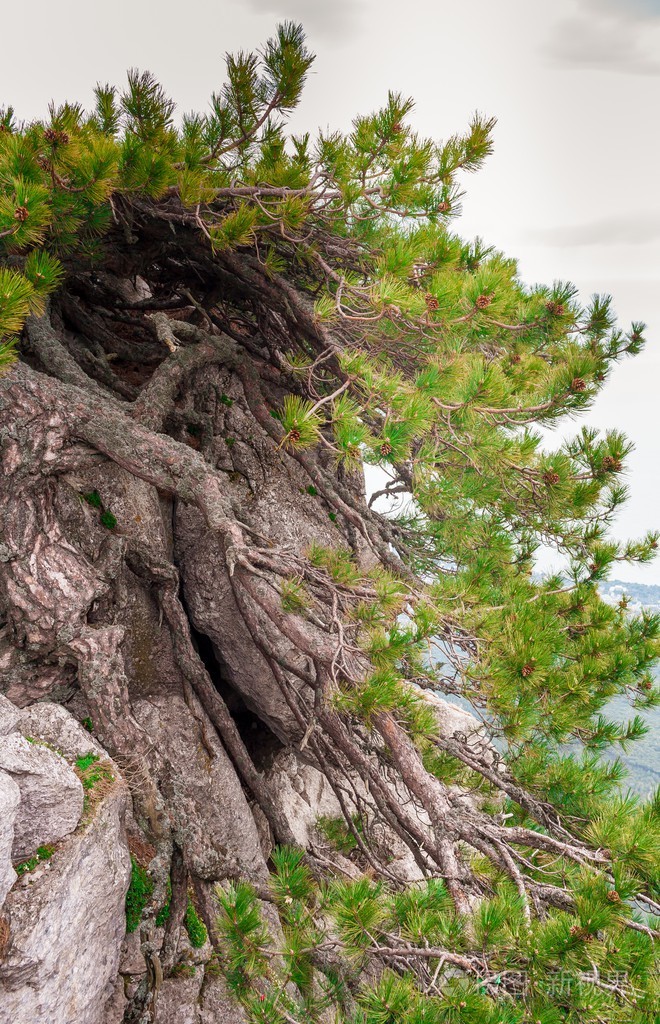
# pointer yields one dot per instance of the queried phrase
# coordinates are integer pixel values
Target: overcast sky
(571, 191)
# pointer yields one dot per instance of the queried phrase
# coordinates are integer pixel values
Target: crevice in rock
(261, 742)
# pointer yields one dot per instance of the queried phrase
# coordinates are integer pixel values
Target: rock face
(454, 721)
(9, 800)
(9, 716)
(67, 924)
(302, 793)
(53, 723)
(199, 999)
(211, 815)
(66, 916)
(51, 793)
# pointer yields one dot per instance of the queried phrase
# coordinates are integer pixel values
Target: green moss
(85, 760)
(108, 520)
(332, 516)
(230, 441)
(138, 895)
(226, 400)
(163, 914)
(312, 490)
(93, 498)
(90, 770)
(213, 969)
(194, 926)
(183, 971)
(43, 853)
(338, 834)
(88, 724)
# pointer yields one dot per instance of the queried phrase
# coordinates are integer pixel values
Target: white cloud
(328, 19)
(624, 229)
(608, 35)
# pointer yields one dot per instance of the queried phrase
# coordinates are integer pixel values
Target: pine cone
(294, 435)
(21, 213)
(611, 464)
(483, 301)
(431, 302)
(515, 358)
(613, 896)
(527, 670)
(386, 448)
(578, 384)
(646, 684)
(444, 207)
(551, 477)
(555, 308)
(50, 135)
(396, 127)
(63, 138)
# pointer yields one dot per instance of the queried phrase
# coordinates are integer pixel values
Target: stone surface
(9, 716)
(210, 815)
(302, 793)
(67, 925)
(453, 719)
(51, 793)
(9, 800)
(53, 723)
(178, 999)
(216, 1004)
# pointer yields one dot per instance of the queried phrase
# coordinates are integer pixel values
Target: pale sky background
(572, 189)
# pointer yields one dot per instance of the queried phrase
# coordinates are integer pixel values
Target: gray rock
(9, 716)
(116, 1005)
(302, 793)
(67, 925)
(455, 722)
(210, 814)
(132, 958)
(216, 1004)
(51, 793)
(178, 999)
(9, 800)
(54, 724)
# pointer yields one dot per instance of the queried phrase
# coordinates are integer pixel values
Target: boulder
(9, 716)
(216, 1004)
(196, 997)
(456, 722)
(9, 800)
(178, 998)
(302, 794)
(53, 724)
(210, 814)
(67, 926)
(51, 793)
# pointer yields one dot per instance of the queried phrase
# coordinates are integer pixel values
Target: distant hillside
(641, 595)
(643, 757)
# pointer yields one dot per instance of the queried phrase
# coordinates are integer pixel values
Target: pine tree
(354, 327)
